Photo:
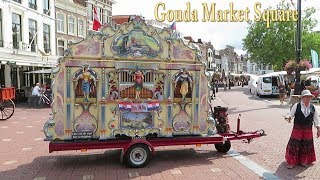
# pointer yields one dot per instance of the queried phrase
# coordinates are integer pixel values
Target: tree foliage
(276, 45)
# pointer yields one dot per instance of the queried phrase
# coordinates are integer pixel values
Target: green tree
(276, 45)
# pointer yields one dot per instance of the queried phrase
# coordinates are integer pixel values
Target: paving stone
(176, 171)
(10, 162)
(40, 178)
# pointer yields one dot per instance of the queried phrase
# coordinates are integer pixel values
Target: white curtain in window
(71, 25)
(60, 22)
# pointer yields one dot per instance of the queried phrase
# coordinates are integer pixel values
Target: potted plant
(292, 65)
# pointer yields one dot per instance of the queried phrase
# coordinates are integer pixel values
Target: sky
(219, 34)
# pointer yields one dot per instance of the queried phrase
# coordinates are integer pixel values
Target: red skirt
(300, 148)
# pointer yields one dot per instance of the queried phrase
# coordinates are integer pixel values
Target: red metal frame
(155, 142)
(152, 142)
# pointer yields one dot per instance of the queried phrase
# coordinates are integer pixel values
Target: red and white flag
(96, 22)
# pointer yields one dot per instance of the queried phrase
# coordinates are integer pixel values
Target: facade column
(18, 77)
(33, 77)
(7, 75)
(39, 78)
(42, 77)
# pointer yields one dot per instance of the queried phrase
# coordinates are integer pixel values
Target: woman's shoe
(290, 166)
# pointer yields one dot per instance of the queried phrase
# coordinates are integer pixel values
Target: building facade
(203, 50)
(258, 69)
(27, 41)
(160, 25)
(228, 59)
(104, 11)
(75, 17)
(71, 23)
(211, 63)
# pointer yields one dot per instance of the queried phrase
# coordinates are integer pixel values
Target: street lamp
(297, 86)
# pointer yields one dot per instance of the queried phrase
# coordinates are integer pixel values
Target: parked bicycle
(44, 99)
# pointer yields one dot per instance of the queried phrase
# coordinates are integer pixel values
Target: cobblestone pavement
(24, 154)
(268, 114)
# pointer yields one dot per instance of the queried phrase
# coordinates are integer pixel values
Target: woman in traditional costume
(300, 148)
(85, 86)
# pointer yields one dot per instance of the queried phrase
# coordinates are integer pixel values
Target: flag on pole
(314, 59)
(96, 21)
(173, 26)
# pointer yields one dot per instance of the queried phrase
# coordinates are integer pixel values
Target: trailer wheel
(137, 156)
(223, 147)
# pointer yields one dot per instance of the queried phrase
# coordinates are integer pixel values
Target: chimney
(199, 41)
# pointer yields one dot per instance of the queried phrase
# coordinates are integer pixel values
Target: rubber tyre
(137, 156)
(223, 147)
(38, 103)
(6, 109)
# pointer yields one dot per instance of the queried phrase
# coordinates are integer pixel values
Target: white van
(267, 85)
(252, 84)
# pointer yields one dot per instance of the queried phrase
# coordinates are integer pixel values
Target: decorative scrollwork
(182, 129)
(49, 124)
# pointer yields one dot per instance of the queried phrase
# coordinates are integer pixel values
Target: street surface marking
(26, 149)
(215, 170)
(52, 160)
(10, 162)
(23, 118)
(29, 126)
(40, 178)
(6, 140)
(133, 175)
(37, 121)
(15, 122)
(88, 177)
(3, 127)
(19, 132)
(260, 171)
(175, 172)
(37, 139)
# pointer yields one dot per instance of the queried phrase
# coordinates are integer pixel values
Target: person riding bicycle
(36, 91)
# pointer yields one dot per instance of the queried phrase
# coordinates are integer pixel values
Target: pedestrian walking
(300, 148)
(282, 93)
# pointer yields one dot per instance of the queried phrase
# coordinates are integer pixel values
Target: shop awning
(42, 71)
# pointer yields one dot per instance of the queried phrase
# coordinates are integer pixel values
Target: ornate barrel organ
(129, 81)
